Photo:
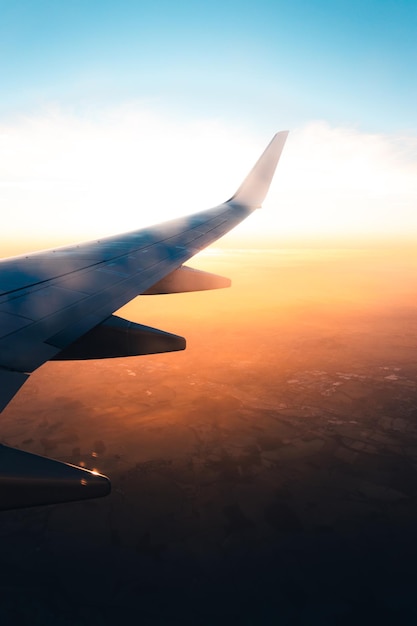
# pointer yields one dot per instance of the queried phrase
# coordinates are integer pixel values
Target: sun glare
(68, 179)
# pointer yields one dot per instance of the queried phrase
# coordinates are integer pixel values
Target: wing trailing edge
(10, 383)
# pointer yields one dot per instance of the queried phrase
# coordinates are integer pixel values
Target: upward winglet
(254, 188)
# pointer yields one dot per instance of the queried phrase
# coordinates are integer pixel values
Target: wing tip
(253, 190)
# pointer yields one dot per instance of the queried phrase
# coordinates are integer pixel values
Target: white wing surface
(59, 303)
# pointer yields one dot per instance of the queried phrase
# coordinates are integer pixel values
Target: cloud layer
(66, 176)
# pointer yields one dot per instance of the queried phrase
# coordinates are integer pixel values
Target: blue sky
(347, 62)
(88, 88)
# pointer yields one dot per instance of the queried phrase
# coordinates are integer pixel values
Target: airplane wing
(59, 304)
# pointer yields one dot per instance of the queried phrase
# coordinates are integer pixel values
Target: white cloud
(76, 177)
(342, 181)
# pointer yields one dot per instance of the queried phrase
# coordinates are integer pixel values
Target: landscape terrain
(265, 476)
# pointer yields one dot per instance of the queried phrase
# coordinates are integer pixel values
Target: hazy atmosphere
(267, 474)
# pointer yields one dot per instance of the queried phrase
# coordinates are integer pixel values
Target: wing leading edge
(50, 300)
